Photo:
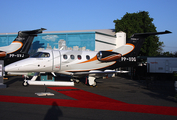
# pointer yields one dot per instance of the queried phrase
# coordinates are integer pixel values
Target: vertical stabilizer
(134, 44)
(26, 38)
(19, 48)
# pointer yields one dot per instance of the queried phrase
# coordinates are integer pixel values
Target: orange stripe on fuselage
(109, 50)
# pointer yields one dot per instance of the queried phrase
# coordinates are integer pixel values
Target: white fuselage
(60, 61)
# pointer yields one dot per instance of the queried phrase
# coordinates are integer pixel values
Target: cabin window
(79, 57)
(65, 56)
(87, 57)
(40, 55)
(72, 57)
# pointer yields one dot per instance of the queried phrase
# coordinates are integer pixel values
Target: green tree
(140, 22)
(168, 54)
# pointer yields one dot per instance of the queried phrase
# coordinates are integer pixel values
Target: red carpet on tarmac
(89, 100)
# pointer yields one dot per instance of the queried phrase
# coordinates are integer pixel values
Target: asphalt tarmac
(113, 98)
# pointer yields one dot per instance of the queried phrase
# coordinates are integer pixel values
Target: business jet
(19, 48)
(78, 64)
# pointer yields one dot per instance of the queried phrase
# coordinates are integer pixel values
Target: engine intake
(107, 56)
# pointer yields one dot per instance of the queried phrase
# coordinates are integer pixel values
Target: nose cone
(11, 67)
(19, 66)
(25, 65)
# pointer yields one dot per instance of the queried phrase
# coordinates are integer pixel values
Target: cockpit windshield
(40, 55)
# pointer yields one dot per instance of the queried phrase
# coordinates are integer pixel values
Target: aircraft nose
(19, 66)
(10, 68)
(6, 68)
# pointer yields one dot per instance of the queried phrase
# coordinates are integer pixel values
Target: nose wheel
(25, 82)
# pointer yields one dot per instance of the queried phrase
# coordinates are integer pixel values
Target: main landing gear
(88, 81)
(91, 81)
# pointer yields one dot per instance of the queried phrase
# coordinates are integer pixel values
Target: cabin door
(56, 60)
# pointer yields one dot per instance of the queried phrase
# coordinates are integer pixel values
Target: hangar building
(85, 40)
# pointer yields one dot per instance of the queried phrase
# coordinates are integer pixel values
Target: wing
(97, 73)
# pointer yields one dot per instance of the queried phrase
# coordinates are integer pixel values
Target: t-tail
(138, 39)
(129, 51)
(19, 48)
(134, 44)
(26, 38)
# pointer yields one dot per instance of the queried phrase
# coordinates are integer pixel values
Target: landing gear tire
(25, 83)
(91, 81)
(94, 84)
(77, 81)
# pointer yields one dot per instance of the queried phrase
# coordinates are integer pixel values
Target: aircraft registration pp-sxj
(78, 64)
(19, 48)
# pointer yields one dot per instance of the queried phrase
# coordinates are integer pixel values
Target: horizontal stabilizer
(140, 35)
(30, 32)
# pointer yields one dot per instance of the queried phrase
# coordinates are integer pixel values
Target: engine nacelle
(107, 56)
(3, 54)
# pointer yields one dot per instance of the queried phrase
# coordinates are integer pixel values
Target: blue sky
(61, 15)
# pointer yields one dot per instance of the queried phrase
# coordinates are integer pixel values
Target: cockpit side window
(41, 55)
(36, 55)
(45, 55)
